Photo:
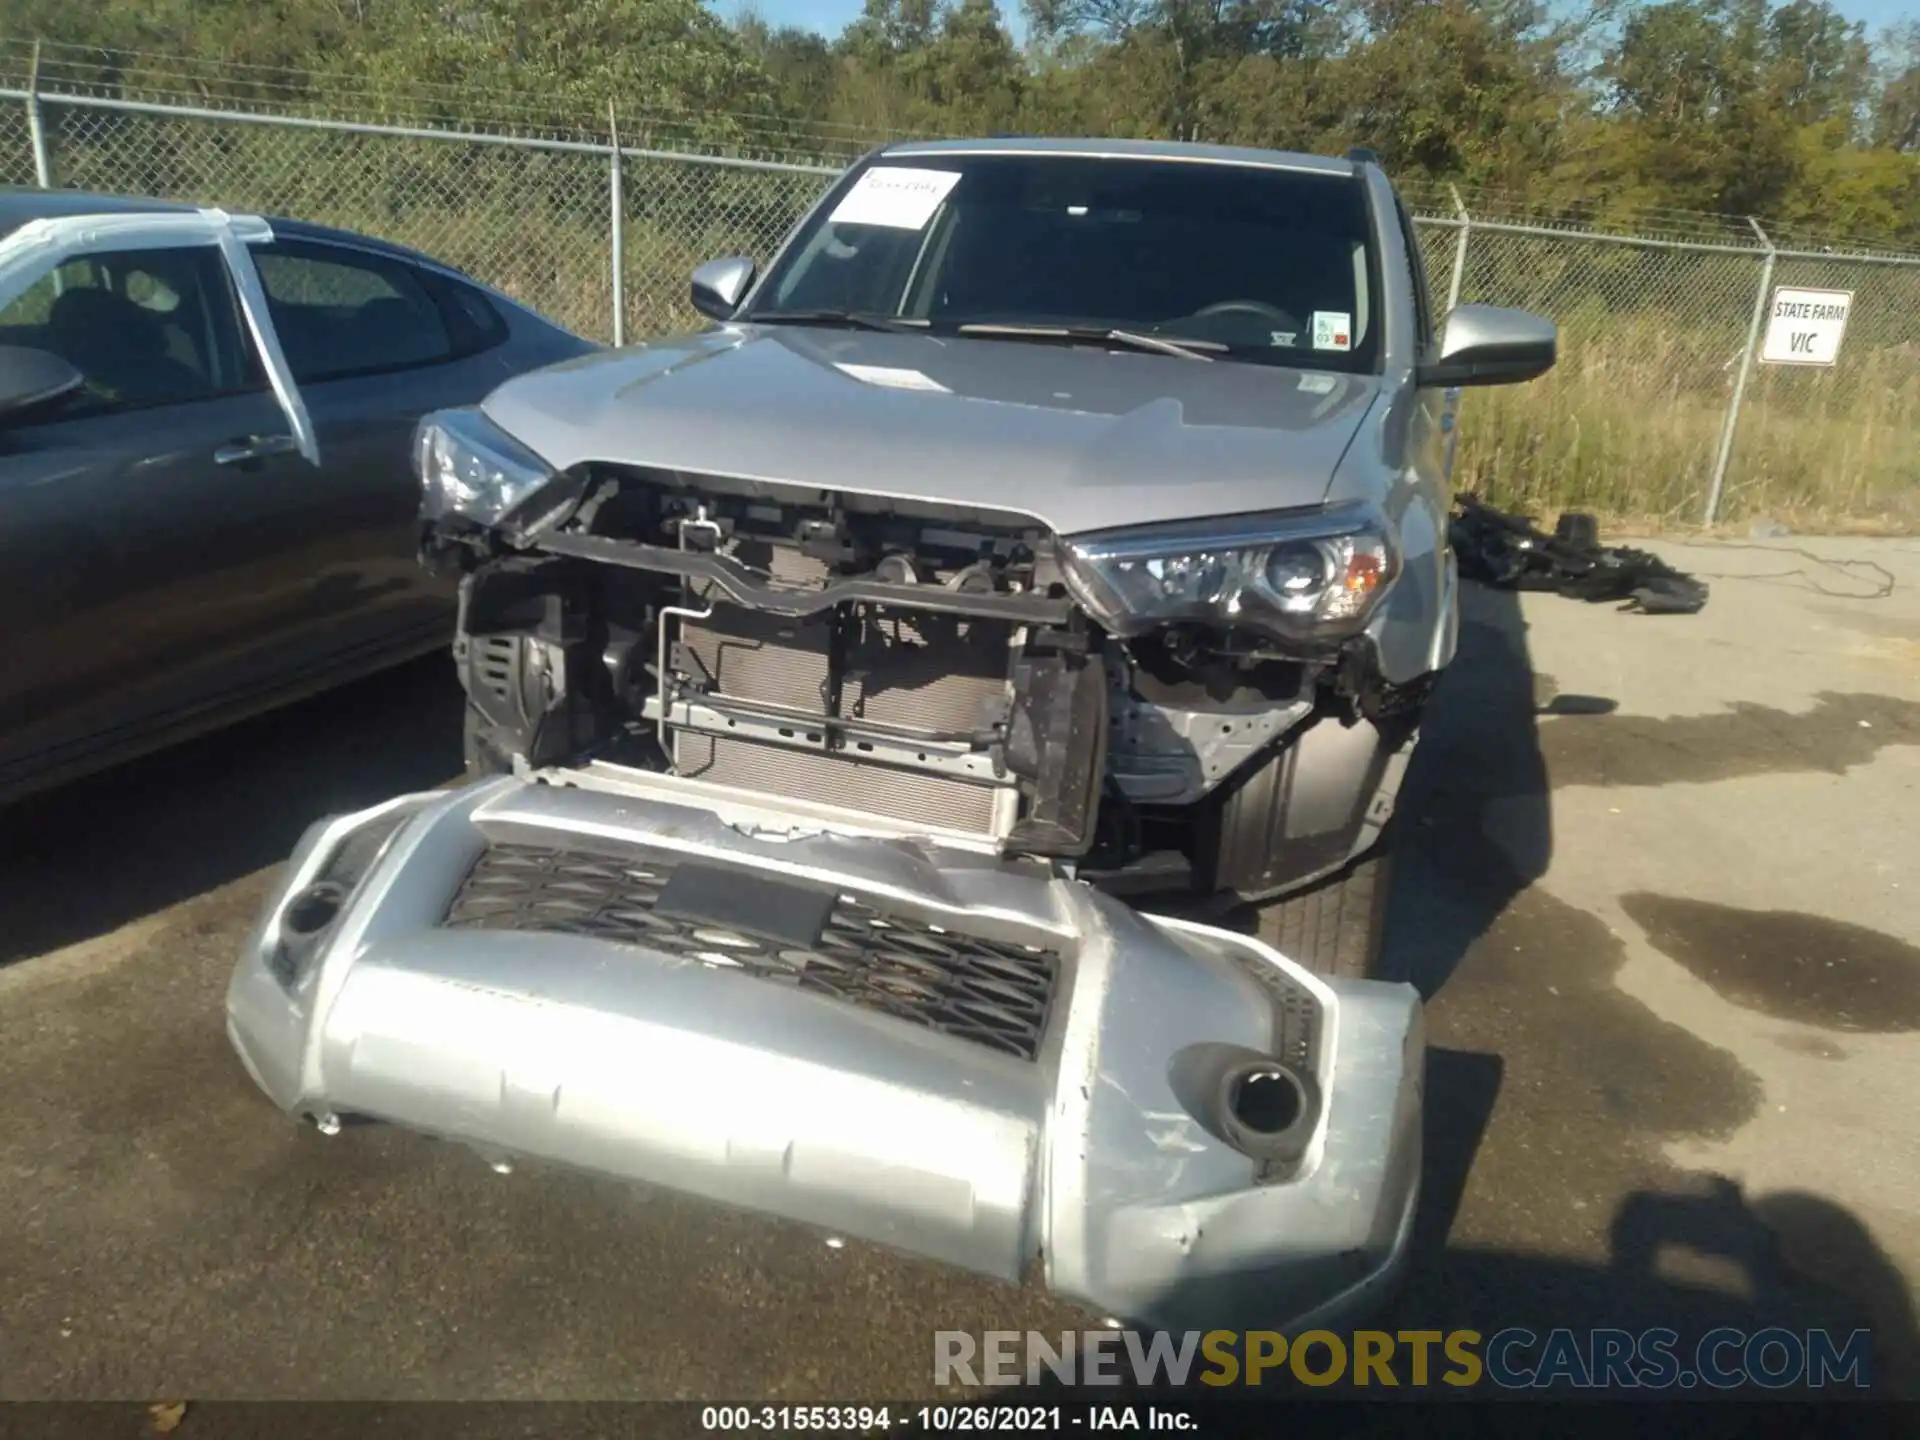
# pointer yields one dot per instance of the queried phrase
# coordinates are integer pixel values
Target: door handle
(255, 447)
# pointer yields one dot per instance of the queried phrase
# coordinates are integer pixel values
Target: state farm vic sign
(1804, 327)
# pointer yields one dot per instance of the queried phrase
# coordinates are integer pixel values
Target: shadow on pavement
(1474, 817)
(1683, 1251)
(1587, 1082)
(93, 855)
(1711, 1320)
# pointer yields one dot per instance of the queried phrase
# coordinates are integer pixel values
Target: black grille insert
(990, 992)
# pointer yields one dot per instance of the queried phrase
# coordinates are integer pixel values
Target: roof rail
(1361, 155)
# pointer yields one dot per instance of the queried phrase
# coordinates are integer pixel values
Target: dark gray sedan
(207, 505)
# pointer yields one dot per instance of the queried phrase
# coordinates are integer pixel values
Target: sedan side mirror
(1486, 345)
(32, 381)
(720, 285)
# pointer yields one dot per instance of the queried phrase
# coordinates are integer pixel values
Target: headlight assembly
(470, 467)
(1300, 575)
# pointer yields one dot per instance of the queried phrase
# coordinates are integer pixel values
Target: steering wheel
(1261, 309)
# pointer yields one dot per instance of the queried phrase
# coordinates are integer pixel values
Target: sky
(830, 17)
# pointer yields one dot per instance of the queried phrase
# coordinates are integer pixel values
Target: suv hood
(1080, 438)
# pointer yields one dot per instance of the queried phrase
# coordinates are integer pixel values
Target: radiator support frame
(856, 658)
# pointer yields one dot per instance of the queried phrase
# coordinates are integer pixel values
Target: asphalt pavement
(1656, 879)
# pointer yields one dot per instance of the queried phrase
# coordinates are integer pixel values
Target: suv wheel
(1335, 926)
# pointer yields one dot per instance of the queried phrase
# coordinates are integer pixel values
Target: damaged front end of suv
(1076, 700)
(841, 677)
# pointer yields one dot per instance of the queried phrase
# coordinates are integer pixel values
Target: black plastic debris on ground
(1509, 551)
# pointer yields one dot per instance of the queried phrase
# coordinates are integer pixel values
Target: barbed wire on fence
(1639, 417)
(1437, 200)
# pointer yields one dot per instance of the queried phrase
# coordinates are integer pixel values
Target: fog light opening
(1267, 1102)
(313, 910)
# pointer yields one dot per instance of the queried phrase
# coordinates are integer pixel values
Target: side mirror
(720, 285)
(32, 381)
(1486, 345)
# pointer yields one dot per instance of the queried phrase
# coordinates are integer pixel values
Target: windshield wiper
(1185, 348)
(850, 319)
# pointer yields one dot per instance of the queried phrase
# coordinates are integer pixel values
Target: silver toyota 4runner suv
(1052, 537)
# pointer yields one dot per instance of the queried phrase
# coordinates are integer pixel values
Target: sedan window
(143, 327)
(475, 323)
(340, 312)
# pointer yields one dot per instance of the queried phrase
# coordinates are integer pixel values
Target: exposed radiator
(952, 678)
(913, 796)
(956, 682)
(768, 658)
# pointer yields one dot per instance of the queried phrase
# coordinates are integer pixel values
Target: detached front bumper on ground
(963, 1057)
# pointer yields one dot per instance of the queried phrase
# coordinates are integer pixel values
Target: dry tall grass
(1626, 427)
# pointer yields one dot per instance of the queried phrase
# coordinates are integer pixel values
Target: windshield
(1252, 264)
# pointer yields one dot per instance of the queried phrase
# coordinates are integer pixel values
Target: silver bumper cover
(968, 1059)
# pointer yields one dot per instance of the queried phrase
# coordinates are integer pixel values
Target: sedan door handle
(256, 447)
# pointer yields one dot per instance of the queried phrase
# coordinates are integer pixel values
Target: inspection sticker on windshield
(895, 196)
(892, 378)
(1332, 330)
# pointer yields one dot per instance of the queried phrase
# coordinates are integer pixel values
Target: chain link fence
(678, 214)
(533, 222)
(1639, 418)
(1845, 437)
(16, 146)
(1659, 409)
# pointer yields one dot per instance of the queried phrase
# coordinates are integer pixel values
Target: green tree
(1453, 89)
(1896, 116)
(1778, 108)
(1733, 105)
(1190, 43)
(917, 65)
(800, 66)
(569, 58)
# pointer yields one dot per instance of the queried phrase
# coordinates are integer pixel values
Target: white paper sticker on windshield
(893, 379)
(895, 196)
(1285, 337)
(1318, 384)
(1332, 330)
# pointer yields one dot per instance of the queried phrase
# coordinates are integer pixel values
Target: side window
(143, 327)
(471, 318)
(1416, 259)
(342, 312)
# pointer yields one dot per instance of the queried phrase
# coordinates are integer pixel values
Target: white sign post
(1804, 327)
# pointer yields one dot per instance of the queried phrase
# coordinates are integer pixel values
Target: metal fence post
(1454, 398)
(618, 234)
(1459, 247)
(1740, 381)
(36, 126)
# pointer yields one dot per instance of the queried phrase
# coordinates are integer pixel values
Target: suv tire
(1335, 926)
